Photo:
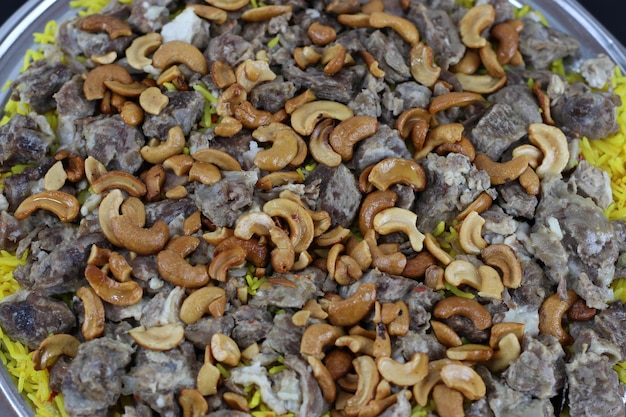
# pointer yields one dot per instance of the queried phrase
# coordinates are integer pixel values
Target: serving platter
(16, 36)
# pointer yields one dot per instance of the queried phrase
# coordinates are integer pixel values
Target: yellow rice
(608, 154)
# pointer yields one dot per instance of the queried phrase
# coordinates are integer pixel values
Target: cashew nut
(480, 84)
(461, 272)
(455, 305)
(423, 68)
(405, 28)
(113, 26)
(501, 172)
(445, 334)
(179, 52)
(318, 336)
(551, 313)
(65, 206)
(284, 146)
(396, 219)
(470, 234)
(392, 171)
(221, 159)
(324, 378)
(229, 5)
(319, 145)
(403, 374)
(369, 377)
(94, 87)
(193, 403)
(504, 258)
(448, 402)
(225, 349)
(93, 324)
(143, 241)
(176, 270)
(252, 72)
(305, 117)
(160, 338)
(260, 14)
(464, 379)
(351, 131)
(52, 347)
(453, 99)
(553, 143)
(113, 292)
(443, 134)
(224, 261)
(297, 218)
(174, 145)
(477, 19)
(509, 349)
(471, 352)
(198, 302)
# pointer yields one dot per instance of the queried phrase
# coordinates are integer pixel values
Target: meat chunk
(539, 370)
(24, 140)
(201, 332)
(272, 96)
(598, 70)
(284, 336)
(157, 377)
(225, 201)
(286, 295)
(389, 57)
(339, 87)
(541, 45)
(607, 324)
(229, 48)
(185, 108)
(515, 201)
(453, 183)
(251, 324)
(76, 42)
(594, 389)
(339, 193)
(93, 382)
(385, 143)
(499, 128)
(36, 86)
(592, 182)
(29, 317)
(114, 143)
(313, 403)
(146, 17)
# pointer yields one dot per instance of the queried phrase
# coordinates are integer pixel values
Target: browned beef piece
(158, 376)
(418, 342)
(93, 381)
(226, 200)
(185, 108)
(594, 388)
(114, 143)
(593, 182)
(19, 186)
(541, 45)
(146, 17)
(37, 85)
(251, 324)
(71, 100)
(230, 48)
(138, 410)
(23, 141)
(499, 128)
(168, 210)
(581, 112)
(609, 324)
(453, 183)
(339, 87)
(29, 317)
(539, 370)
(535, 286)
(439, 32)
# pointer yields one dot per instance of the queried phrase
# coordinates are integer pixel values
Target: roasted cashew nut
(159, 338)
(464, 379)
(477, 19)
(113, 292)
(318, 336)
(396, 219)
(392, 171)
(353, 309)
(480, 84)
(403, 374)
(298, 219)
(198, 303)
(455, 305)
(113, 26)
(461, 272)
(551, 313)
(305, 117)
(52, 347)
(503, 258)
(65, 206)
(143, 241)
(138, 51)
(423, 68)
(405, 28)
(553, 143)
(284, 146)
(174, 145)
(470, 234)
(179, 52)
(226, 260)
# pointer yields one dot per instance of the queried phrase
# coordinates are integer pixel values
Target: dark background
(611, 13)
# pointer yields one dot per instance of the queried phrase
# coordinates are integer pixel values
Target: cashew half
(551, 313)
(174, 145)
(198, 303)
(392, 171)
(298, 219)
(470, 234)
(396, 219)
(351, 131)
(93, 324)
(179, 52)
(113, 292)
(305, 117)
(65, 206)
(451, 306)
(284, 146)
(423, 68)
(94, 87)
(353, 309)
(143, 241)
(403, 374)
(477, 19)
(138, 51)
(52, 347)
(553, 143)
(504, 258)
(318, 336)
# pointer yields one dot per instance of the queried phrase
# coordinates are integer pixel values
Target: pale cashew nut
(65, 206)
(229, 5)
(179, 52)
(405, 28)
(448, 402)
(504, 258)
(372, 64)
(423, 68)
(225, 350)
(355, 20)
(174, 145)
(553, 143)
(305, 117)
(470, 352)
(94, 87)
(464, 379)
(208, 378)
(113, 292)
(480, 84)
(284, 146)
(297, 218)
(353, 309)
(204, 173)
(305, 56)
(108, 209)
(435, 249)
(492, 285)
(153, 101)
(55, 177)
(318, 336)
(260, 14)
(252, 72)
(461, 272)
(533, 153)
(112, 25)
(421, 390)
(499, 330)
(226, 260)
(320, 147)
(477, 19)
(198, 302)
(193, 403)
(470, 234)
(501, 172)
(159, 338)
(396, 219)
(324, 378)
(455, 305)
(403, 374)
(351, 131)
(392, 171)
(551, 313)
(509, 349)
(52, 347)
(93, 324)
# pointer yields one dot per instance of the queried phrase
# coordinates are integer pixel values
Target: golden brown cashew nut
(471, 352)
(421, 390)
(297, 218)
(434, 248)
(284, 146)
(469, 64)
(225, 350)
(52, 347)
(443, 134)
(508, 41)
(160, 338)
(305, 117)
(372, 204)
(143, 241)
(479, 205)
(108, 209)
(448, 402)
(261, 224)
(551, 313)
(94, 87)
(305, 56)
(405, 28)
(392, 171)
(198, 302)
(553, 143)
(477, 19)
(219, 16)
(455, 305)
(174, 145)
(391, 263)
(318, 336)
(221, 159)
(93, 325)
(175, 269)
(179, 52)
(501, 172)
(113, 26)
(319, 145)
(320, 34)
(489, 59)
(324, 378)
(252, 72)
(365, 368)
(353, 309)
(423, 68)
(334, 57)
(445, 334)
(226, 260)
(193, 403)
(453, 99)
(229, 5)
(65, 206)
(403, 374)
(119, 180)
(480, 84)
(470, 234)
(503, 258)
(113, 292)
(152, 100)
(351, 131)
(263, 13)
(464, 379)
(396, 219)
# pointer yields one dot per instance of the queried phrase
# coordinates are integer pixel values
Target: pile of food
(387, 208)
